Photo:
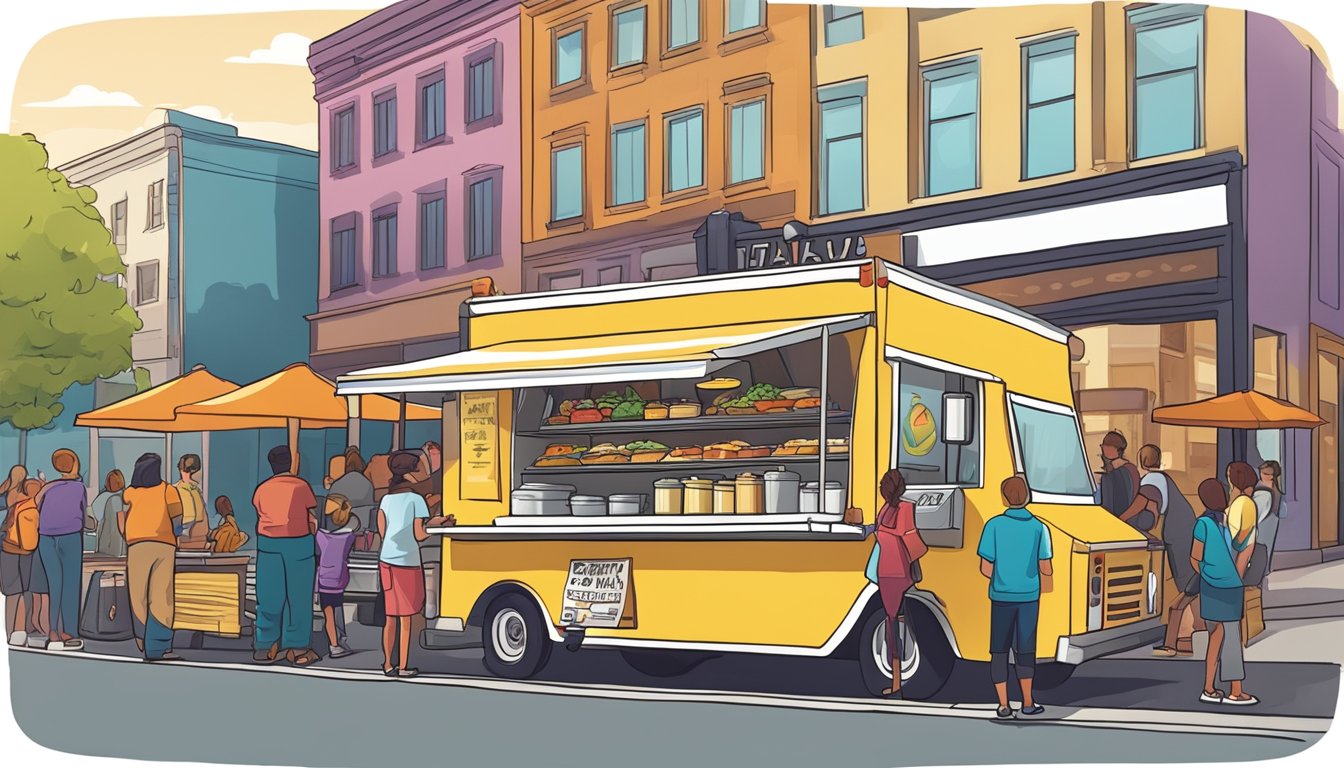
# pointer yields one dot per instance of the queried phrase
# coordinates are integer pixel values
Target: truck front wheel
(516, 642)
(926, 658)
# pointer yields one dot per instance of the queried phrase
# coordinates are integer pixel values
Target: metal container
(834, 501)
(698, 497)
(724, 491)
(750, 492)
(781, 492)
(627, 503)
(667, 495)
(533, 499)
(588, 506)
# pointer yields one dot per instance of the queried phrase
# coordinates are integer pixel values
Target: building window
(746, 146)
(628, 37)
(567, 183)
(1168, 81)
(562, 281)
(431, 118)
(917, 437)
(743, 15)
(433, 223)
(154, 205)
(569, 57)
(611, 275)
(951, 126)
(627, 164)
(685, 149)
(482, 218)
(385, 242)
(385, 124)
(481, 90)
(119, 226)
(344, 256)
(1270, 352)
(1048, 111)
(683, 23)
(146, 283)
(844, 24)
(343, 139)
(841, 150)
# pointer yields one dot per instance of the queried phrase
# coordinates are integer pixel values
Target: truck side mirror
(958, 418)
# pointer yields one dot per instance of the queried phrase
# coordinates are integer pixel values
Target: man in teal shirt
(1015, 556)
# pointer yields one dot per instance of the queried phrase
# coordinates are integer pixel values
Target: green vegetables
(628, 411)
(645, 445)
(614, 399)
(762, 391)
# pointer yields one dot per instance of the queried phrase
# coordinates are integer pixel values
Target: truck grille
(1125, 595)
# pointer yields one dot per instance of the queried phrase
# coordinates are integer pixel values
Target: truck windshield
(1052, 452)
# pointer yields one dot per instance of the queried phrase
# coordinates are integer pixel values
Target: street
(591, 708)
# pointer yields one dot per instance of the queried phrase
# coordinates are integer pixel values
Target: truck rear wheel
(927, 659)
(516, 643)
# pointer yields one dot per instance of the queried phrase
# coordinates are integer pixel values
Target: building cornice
(325, 314)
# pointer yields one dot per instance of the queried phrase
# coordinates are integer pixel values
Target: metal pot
(781, 492)
(626, 503)
(532, 499)
(588, 506)
(834, 499)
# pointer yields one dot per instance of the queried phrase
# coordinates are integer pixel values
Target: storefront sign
(480, 446)
(776, 252)
(599, 593)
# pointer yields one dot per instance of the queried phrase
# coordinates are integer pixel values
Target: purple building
(419, 136)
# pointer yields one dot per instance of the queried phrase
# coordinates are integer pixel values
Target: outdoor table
(209, 589)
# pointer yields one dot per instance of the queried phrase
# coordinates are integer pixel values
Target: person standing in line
(1242, 515)
(1221, 562)
(195, 526)
(346, 478)
(335, 540)
(403, 519)
(152, 512)
(286, 564)
(13, 490)
(106, 505)
(18, 548)
(62, 519)
(1119, 478)
(1015, 555)
(1145, 513)
(899, 548)
(226, 537)
(1269, 507)
(1176, 523)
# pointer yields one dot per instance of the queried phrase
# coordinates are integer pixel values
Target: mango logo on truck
(919, 432)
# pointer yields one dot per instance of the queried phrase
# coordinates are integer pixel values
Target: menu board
(480, 446)
(598, 594)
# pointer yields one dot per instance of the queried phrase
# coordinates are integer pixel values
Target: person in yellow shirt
(153, 508)
(1242, 513)
(195, 526)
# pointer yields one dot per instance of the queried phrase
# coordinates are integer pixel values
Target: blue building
(219, 236)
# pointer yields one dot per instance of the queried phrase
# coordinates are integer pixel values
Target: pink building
(419, 136)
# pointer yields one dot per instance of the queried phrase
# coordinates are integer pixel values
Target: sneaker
(1005, 713)
(18, 639)
(37, 641)
(74, 644)
(1034, 709)
(1212, 697)
(337, 651)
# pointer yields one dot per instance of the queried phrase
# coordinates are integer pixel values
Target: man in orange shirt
(286, 564)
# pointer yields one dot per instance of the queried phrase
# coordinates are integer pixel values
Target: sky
(247, 69)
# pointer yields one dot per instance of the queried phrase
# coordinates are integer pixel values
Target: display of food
(646, 451)
(760, 398)
(652, 451)
(605, 453)
(688, 453)
(683, 410)
(656, 411)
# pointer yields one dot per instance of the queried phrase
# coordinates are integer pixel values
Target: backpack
(107, 608)
(1117, 491)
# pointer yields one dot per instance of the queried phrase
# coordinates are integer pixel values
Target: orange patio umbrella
(155, 409)
(1239, 410)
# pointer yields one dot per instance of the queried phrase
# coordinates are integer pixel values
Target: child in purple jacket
(335, 539)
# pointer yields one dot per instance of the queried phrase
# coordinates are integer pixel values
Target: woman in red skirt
(403, 517)
(899, 547)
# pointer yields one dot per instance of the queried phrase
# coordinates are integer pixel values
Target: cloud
(287, 48)
(88, 96)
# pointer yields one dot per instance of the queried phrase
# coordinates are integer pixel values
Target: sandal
(1245, 700)
(408, 672)
(1212, 697)
(1165, 651)
(303, 658)
(888, 693)
(390, 672)
(267, 657)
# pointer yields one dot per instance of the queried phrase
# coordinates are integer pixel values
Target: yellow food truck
(691, 467)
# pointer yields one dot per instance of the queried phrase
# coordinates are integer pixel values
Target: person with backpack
(1176, 526)
(1221, 558)
(894, 565)
(1119, 478)
(152, 513)
(335, 540)
(19, 563)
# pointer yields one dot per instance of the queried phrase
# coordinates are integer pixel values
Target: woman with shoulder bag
(894, 565)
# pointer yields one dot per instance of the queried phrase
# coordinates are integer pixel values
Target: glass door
(1327, 449)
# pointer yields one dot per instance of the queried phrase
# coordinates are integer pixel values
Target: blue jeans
(63, 559)
(1012, 626)
(286, 572)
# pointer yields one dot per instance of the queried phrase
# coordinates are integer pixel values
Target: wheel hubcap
(909, 650)
(510, 635)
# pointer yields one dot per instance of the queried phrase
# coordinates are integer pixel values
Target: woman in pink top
(899, 547)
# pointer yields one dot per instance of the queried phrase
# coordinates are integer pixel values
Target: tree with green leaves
(64, 318)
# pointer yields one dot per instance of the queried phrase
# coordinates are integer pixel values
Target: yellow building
(643, 116)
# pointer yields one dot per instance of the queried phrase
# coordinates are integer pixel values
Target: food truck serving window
(1051, 449)
(918, 438)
